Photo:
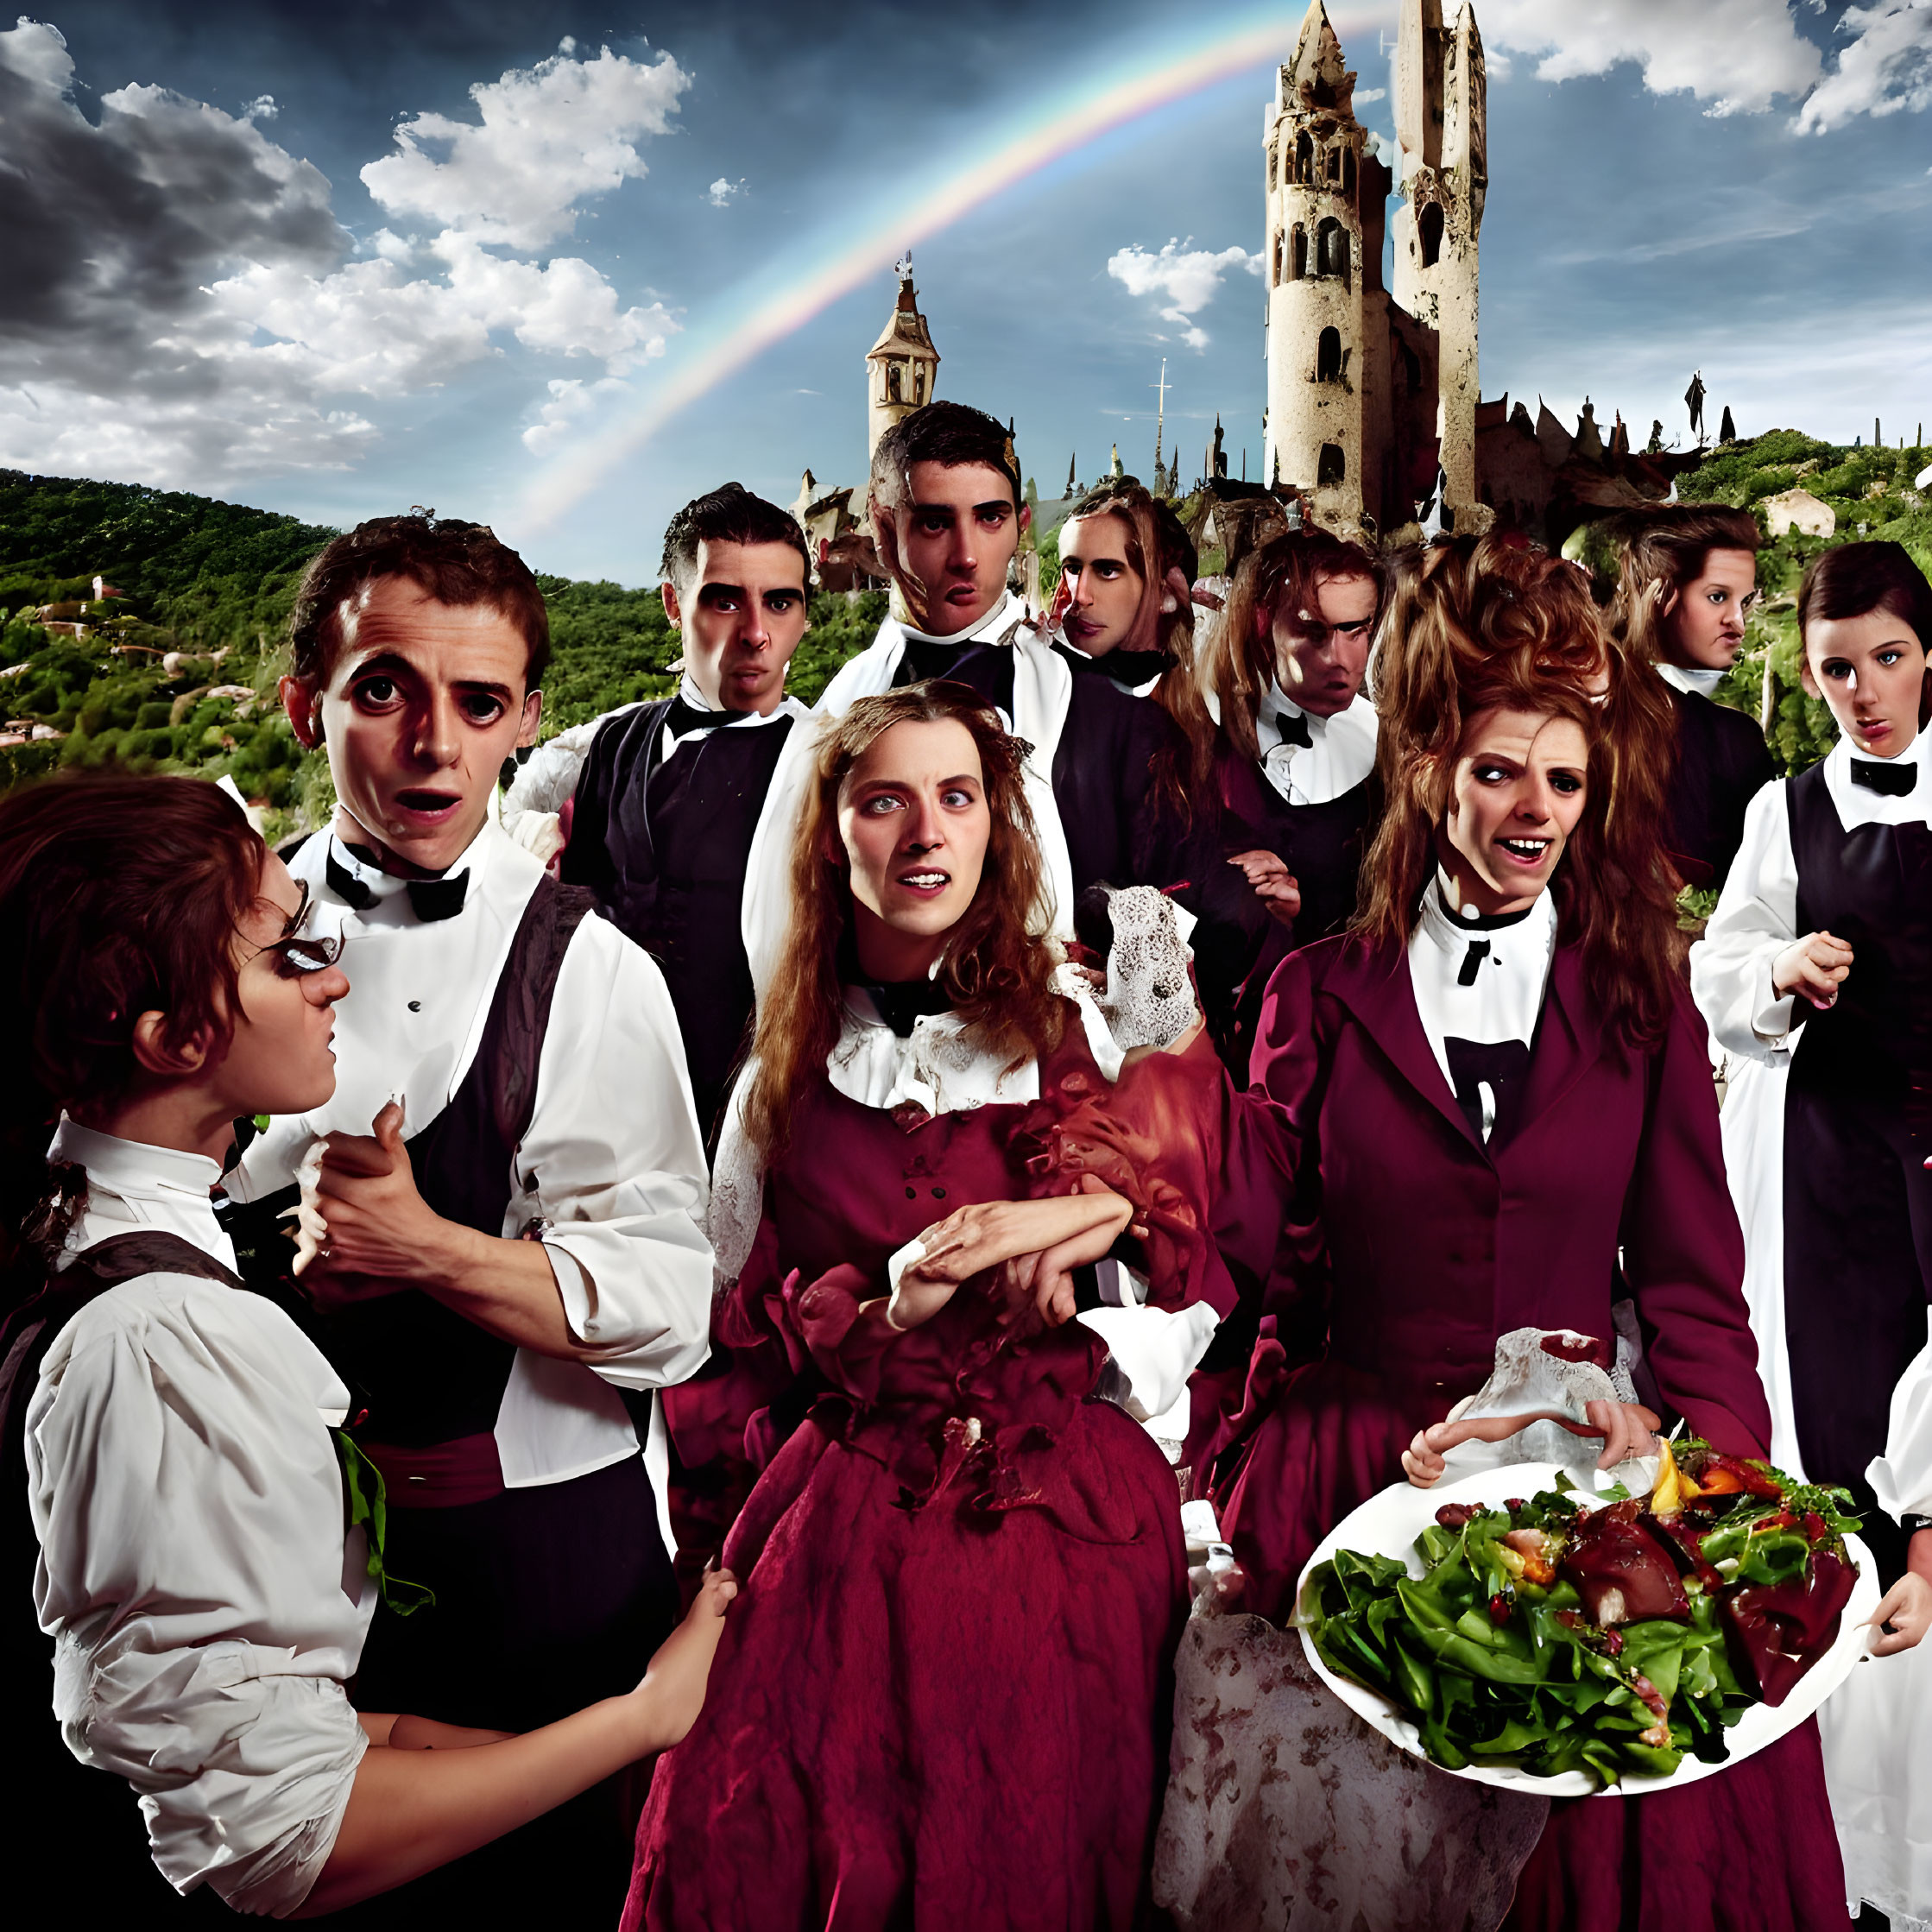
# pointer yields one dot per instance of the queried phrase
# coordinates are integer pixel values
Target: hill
(175, 668)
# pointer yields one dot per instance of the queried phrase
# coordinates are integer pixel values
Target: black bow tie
(1294, 730)
(683, 716)
(1889, 778)
(1500, 1066)
(430, 899)
(1130, 669)
(931, 657)
(902, 1003)
(1472, 962)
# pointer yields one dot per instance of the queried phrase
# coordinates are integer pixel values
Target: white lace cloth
(1286, 1813)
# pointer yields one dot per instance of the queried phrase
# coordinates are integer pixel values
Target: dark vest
(1872, 888)
(426, 1374)
(1722, 763)
(664, 843)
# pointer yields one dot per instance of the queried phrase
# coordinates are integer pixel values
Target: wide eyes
(955, 798)
(376, 694)
(383, 693)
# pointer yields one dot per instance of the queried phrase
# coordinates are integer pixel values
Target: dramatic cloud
(1886, 67)
(1186, 278)
(1737, 55)
(550, 135)
(182, 306)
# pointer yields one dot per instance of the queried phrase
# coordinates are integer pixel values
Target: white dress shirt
(1503, 997)
(1339, 754)
(1756, 914)
(1694, 680)
(205, 1605)
(612, 1160)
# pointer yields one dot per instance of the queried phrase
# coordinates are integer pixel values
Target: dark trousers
(1858, 1266)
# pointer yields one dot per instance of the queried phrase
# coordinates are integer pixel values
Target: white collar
(172, 1185)
(1007, 609)
(474, 857)
(787, 706)
(1695, 680)
(1276, 703)
(1535, 926)
(1913, 749)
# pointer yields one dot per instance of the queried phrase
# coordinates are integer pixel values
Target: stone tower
(1442, 124)
(1314, 267)
(902, 367)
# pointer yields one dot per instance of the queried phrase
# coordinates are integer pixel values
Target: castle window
(919, 382)
(1331, 249)
(1334, 166)
(1429, 232)
(1328, 356)
(1304, 159)
(1348, 171)
(1333, 466)
(1276, 283)
(892, 383)
(1275, 167)
(1298, 254)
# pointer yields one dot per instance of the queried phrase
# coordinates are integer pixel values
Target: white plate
(1387, 1525)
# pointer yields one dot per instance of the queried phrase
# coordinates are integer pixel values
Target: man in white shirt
(495, 1284)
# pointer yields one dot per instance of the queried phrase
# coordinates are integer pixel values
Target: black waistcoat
(1872, 888)
(427, 1374)
(1103, 766)
(664, 844)
(1722, 763)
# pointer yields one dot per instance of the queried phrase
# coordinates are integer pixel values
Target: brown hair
(455, 564)
(1664, 553)
(729, 514)
(1157, 542)
(997, 967)
(1289, 569)
(1481, 623)
(953, 434)
(1858, 578)
(119, 895)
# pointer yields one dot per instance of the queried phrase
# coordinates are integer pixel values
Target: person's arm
(612, 1164)
(1684, 1255)
(416, 1805)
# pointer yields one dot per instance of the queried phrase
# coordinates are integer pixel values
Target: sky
(560, 267)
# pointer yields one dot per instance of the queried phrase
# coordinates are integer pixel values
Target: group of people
(636, 1343)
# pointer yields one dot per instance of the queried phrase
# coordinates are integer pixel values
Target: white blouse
(1339, 754)
(206, 1607)
(1756, 914)
(612, 1161)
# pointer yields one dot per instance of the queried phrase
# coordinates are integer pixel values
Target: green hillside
(178, 672)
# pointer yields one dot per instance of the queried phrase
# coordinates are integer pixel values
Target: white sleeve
(1756, 919)
(1902, 1477)
(547, 778)
(1154, 1349)
(188, 1504)
(615, 1165)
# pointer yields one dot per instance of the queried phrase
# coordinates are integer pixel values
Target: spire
(1419, 81)
(1318, 75)
(1073, 460)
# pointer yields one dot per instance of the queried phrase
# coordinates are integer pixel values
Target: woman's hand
(1813, 967)
(1906, 1606)
(1046, 1279)
(973, 1241)
(1273, 883)
(673, 1692)
(1626, 1429)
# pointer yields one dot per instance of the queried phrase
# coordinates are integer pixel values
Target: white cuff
(909, 1256)
(1154, 1350)
(1772, 1023)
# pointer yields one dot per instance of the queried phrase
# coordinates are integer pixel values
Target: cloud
(1887, 66)
(1365, 94)
(1737, 55)
(550, 135)
(261, 108)
(218, 322)
(723, 191)
(1187, 277)
(571, 399)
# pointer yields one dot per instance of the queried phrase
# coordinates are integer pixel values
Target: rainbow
(827, 264)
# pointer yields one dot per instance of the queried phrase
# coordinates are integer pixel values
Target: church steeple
(902, 367)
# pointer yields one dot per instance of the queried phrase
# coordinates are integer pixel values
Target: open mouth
(428, 805)
(1525, 851)
(928, 883)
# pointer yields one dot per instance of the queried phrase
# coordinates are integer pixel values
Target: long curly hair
(118, 896)
(998, 965)
(1477, 624)
(1157, 542)
(1240, 666)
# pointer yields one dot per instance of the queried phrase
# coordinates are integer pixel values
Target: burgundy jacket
(1408, 1247)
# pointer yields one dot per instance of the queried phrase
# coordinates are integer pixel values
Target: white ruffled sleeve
(1902, 1477)
(188, 1503)
(1756, 919)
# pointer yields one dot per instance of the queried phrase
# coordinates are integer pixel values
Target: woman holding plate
(1494, 1111)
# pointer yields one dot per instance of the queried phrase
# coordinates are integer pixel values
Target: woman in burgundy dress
(1493, 1101)
(964, 1574)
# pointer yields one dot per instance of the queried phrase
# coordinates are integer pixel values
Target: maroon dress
(1406, 1248)
(942, 1696)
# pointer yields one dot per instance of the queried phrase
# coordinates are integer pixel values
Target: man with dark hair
(493, 1285)
(947, 518)
(663, 796)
